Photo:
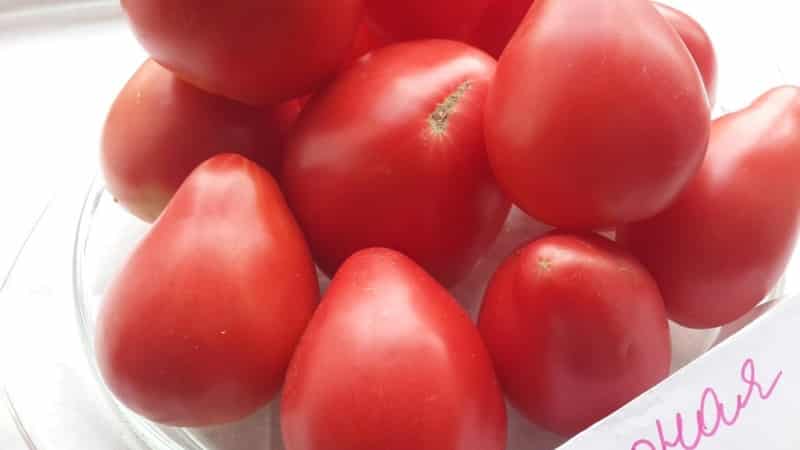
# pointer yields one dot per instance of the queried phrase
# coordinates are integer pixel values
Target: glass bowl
(106, 234)
(49, 302)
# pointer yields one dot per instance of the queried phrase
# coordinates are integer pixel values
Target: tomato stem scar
(439, 119)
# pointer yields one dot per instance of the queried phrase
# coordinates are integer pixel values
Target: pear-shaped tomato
(698, 43)
(160, 128)
(391, 362)
(597, 115)
(391, 154)
(255, 51)
(199, 326)
(576, 328)
(724, 244)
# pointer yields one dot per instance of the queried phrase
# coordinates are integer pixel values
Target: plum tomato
(725, 243)
(390, 361)
(391, 154)
(199, 326)
(587, 126)
(160, 128)
(576, 328)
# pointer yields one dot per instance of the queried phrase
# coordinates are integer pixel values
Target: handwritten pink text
(710, 406)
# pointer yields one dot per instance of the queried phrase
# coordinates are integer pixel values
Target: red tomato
(576, 328)
(199, 326)
(255, 51)
(424, 19)
(587, 126)
(391, 154)
(698, 43)
(160, 128)
(391, 362)
(499, 22)
(724, 244)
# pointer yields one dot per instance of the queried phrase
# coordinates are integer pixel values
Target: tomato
(587, 126)
(499, 22)
(199, 326)
(698, 43)
(160, 128)
(254, 51)
(390, 361)
(391, 154)
(725, 243)
(425, 19)
(576, 327)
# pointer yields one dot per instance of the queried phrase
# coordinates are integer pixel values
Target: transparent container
(49, 301)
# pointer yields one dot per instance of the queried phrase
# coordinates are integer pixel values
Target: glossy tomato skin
(586, 126)
(391, 362)
(199, 326)
(698, 43)
(160, 128)
(425, 19)
(725, 243)
(255, 51)
(499, 22)
(392, 154)
(576, 328)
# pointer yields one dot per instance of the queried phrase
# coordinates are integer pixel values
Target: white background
(58, 77)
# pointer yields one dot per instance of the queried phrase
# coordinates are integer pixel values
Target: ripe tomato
(391, 362)
(392, 154)
(160, 128)
(698, 43)
(587, 126)
(576, 328)
(425, 19)
(499, 22)
(199, 326)
(254, 51)
(724, 244)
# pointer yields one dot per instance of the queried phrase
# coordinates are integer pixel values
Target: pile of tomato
(383, 144)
